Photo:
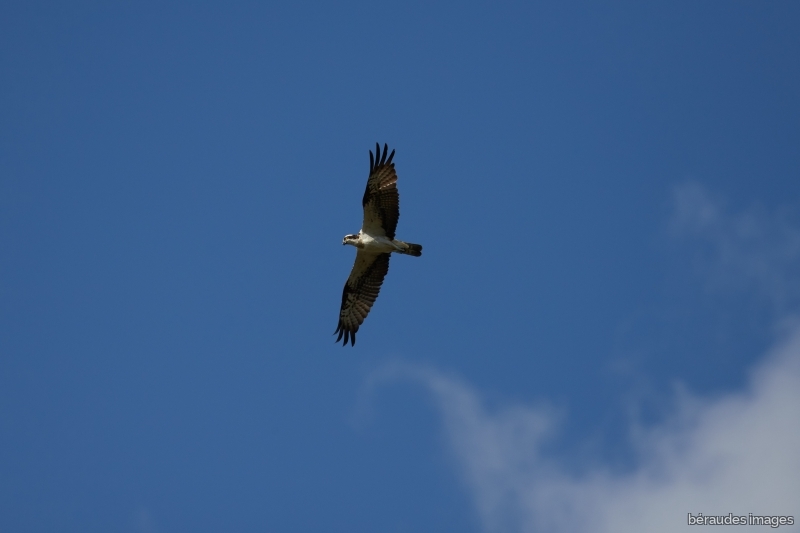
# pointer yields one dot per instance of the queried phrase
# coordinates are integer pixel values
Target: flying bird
(375, 243)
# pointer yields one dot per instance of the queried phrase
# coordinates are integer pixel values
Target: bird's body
(375, 244)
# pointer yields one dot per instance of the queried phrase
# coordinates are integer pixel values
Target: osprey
(375, 243)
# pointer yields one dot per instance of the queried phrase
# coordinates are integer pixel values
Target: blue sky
(607, 197)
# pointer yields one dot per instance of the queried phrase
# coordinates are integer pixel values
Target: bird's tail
(409, 248)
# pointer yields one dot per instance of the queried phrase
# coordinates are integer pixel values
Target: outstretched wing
(359, 293)
(381, 200)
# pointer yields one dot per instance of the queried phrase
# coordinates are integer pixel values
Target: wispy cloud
(754, 249)
(142, 522)
(737, 453)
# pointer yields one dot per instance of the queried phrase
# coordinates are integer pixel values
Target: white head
(350, 239)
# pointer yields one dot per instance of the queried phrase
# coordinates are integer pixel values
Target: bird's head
(350, 239)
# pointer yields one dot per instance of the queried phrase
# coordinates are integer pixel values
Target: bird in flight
(375, 243)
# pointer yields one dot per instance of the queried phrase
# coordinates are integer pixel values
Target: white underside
(377, 244)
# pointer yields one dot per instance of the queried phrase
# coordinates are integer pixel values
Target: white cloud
(739, 453)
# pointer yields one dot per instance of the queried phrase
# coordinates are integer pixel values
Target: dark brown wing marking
(359, 293)
(381, 200)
